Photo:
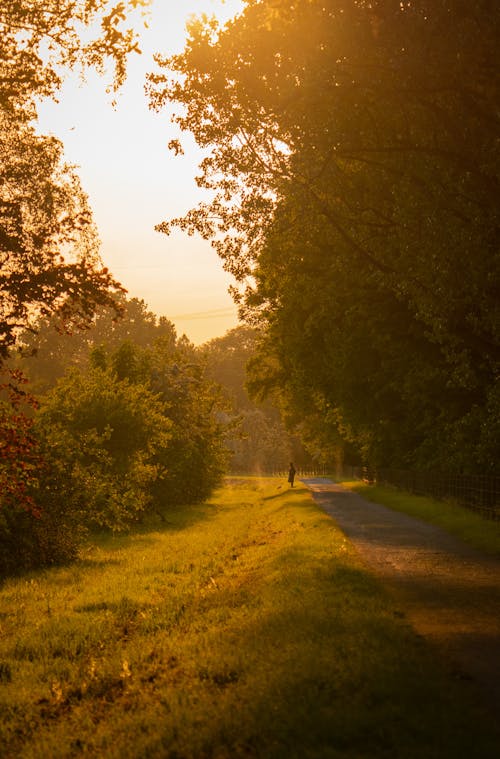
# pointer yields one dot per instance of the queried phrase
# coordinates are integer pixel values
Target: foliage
(39, 41)
(49, 251)
(256, 435)
(127, 424)
(47, 354)
(95, 438)
(51, 486)
(48, 537)
(353, 160)
(227, 358)
(136, 431)
(101, 435)
(194, 461)
(36, 527)
(245, 627)
(19, 457)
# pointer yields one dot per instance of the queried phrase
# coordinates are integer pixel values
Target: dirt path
(449, 592)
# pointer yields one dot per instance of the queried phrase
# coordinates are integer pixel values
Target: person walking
(291, 474)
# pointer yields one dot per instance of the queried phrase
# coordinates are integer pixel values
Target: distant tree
(227, 358)
(256, 434)
(47, 354)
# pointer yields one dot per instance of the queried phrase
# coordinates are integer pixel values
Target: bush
(101, 436)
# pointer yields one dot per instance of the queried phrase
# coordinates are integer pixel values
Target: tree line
(122, 423)
(119, 424)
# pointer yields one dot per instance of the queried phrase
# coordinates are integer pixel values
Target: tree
(195, 459)
(256, 435)
(101, 435)
(49, 251)
(133, 431)
(227, 358)
(47, 353)
(39, 41)
(354, 167)
(96, 442)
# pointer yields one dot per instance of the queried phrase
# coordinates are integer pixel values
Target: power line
(213, 314)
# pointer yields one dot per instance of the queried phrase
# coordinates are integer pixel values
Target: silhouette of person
(291, 474)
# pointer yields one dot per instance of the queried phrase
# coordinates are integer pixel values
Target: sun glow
(134, 182)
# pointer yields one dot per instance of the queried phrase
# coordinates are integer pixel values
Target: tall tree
(49, 250)
(353, 154)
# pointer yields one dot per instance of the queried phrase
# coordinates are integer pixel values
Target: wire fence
(480, 493)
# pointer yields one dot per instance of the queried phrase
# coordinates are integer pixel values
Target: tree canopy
(49, 249)
(41, 39)
(352, 155)
(47, 353)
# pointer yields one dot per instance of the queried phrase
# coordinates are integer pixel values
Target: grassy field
(481, 533)
(245, 627)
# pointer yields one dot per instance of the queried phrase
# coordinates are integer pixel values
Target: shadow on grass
(174, 519)
(170, 519)
(310, 661)
(349, 678)
(276, 495)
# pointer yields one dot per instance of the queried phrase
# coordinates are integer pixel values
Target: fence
(481, 493)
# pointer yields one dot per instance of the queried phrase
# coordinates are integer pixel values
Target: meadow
(243, 627)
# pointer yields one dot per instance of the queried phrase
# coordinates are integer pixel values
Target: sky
(134, 182)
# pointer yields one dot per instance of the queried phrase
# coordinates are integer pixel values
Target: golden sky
(133, 182)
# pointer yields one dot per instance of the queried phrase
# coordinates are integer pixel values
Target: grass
(481, 533)
(245, 627)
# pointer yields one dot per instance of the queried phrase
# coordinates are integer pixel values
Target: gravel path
(449, 592)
